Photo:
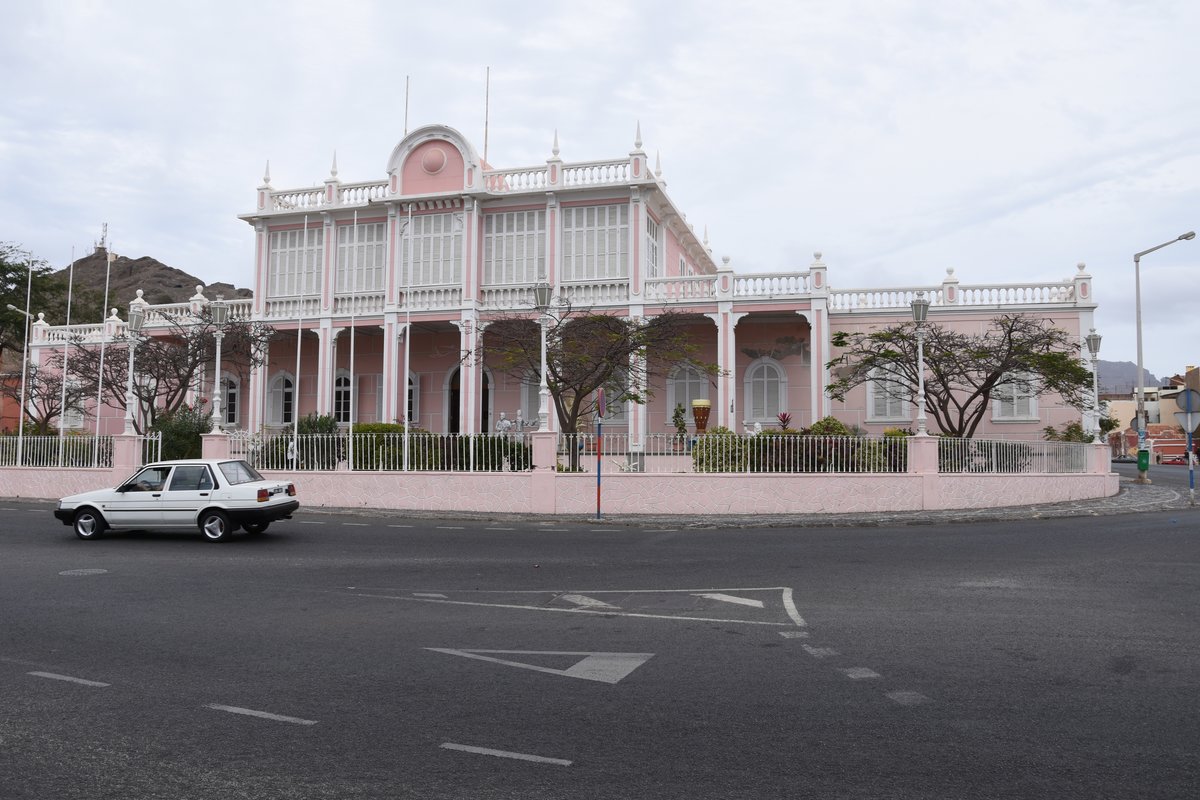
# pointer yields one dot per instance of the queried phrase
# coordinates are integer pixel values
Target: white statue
(757, 428)
(504, 424)
(520, 423)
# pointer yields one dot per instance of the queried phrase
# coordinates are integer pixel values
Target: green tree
(47, 294)
(587, 350)
(964, 370)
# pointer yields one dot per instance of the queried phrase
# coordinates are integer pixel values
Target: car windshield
(239, 472)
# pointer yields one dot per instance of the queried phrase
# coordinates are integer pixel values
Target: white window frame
(413, 403)
(895, 394)
(1007, 401)
(73, 416)
(282, 384)
(361, 253)
(689, 378)
(749, 379)
(514, 247)
(231, 386)
(343, 393)
(653, 238)
(294, 262)
(595, 242)
(436, 241)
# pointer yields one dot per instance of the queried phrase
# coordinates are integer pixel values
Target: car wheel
(255, 527)
(215, 525)
(89, 524)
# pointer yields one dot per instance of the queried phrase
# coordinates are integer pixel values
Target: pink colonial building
(375, 285)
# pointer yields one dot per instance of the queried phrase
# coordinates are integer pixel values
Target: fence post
(127, 451)
(214, 445)
(545, 472)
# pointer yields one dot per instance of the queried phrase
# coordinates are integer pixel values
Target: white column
(726, 321)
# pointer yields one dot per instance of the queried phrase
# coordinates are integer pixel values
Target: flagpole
(407, 332)
(62, 398)
(108, 259)
(353, 310)
(24, 362)
(299, 319)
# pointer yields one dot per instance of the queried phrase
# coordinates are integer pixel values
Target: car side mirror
(125, 487)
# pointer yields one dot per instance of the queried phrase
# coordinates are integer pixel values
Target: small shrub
(181, 430)
(719, 450)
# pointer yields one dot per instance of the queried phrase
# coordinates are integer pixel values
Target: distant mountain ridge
(159, 283)
(1120, 377)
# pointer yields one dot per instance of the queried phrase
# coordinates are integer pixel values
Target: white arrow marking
(600, 667)
(487, 751)
(57, 677)
(583, 600)
(728, 598)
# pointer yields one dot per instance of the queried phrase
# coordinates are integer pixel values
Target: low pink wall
(51, 483)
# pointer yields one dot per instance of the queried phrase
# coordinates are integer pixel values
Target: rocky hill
(159, 283)
(1120, 377)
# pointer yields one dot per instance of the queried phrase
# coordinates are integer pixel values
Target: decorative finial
(1081, 266)
(637, 142)
(725, 260)
(657, 164)
(333, 169)
(139, 294)
(706, 236)
(267, 174)
(950, 271)
(817, 256)
(554, 149)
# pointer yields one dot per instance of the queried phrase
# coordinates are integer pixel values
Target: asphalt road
(342, 656)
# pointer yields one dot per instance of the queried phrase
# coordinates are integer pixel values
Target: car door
(187, 493)
(140, 504)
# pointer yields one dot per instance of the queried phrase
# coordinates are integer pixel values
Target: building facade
(381, 293)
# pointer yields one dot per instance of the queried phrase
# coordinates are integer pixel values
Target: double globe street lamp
(541, 300)
(219, 309)
(1093, 346)
(920, 311)
(137, 318)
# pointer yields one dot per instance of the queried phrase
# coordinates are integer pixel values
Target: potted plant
(679, 420)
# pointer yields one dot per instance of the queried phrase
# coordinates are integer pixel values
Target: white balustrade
(59, 334)
(524, 179)
(677, 290)
(431, 298)
(167, 314)
(292, 307)
(1015, 294)
(508, 297)
(297, 199)
(597, 293)
(241, 309)
(362, 193)
(362, 303)
(596, 173)
(770, 285)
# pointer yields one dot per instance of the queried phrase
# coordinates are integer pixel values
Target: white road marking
(587, 602)
(68, 678)
(399, 526)
(820, 652)
(728, 598)
(73, 572)
(907, 698)
(262, 714)
(794, 634)
(355, 524)
(428, 594)
(487, 751)
(604, 530)
(858, 673)
(599, 667)
(501, 529)
(789, 605)
(555, 530)
(573, 610)
(663, 530)
(311, 521)
(449, 528)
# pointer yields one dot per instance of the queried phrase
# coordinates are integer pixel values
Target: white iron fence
(1010, 457)
(728, 452)
(57, 451)
(418, 451)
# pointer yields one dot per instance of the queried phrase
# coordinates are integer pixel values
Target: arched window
(231, 406)
(414, 381)
(685, 383)
(281, 400)
(888, 399)
(342, 398)
(765, 386)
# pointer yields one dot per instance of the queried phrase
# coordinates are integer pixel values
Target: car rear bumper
(263, 513)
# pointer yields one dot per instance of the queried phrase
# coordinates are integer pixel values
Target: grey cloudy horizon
(1005, 140)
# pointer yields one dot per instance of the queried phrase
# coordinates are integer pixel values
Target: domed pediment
(432, 160)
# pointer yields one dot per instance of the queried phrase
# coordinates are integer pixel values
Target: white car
(216, 495)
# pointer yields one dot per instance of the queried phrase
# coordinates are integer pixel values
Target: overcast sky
(1007, 140)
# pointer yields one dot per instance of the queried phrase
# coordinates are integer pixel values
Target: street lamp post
(220, 314)
(920, 311)
(1143, 453)
(137, 316)
(1093, 346)
(541, 299)
(24, 369)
